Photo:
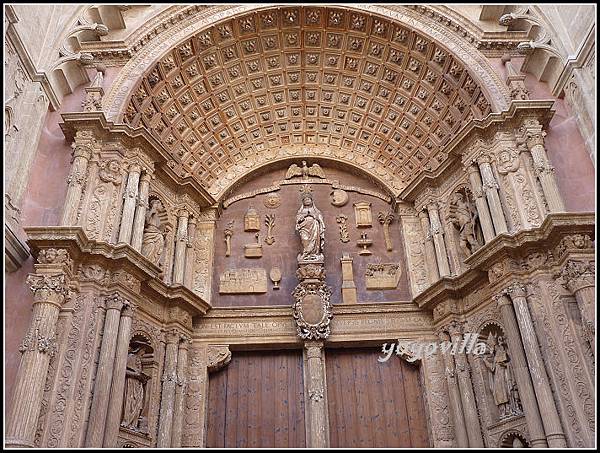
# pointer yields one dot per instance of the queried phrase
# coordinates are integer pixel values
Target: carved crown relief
(219, 97)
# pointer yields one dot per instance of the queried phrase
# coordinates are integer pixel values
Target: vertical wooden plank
(279, 400)
(216, 416)
(300, 408)
(415, 405)
(254, 377)
(241, 439)
(232, 389)
(375, 400)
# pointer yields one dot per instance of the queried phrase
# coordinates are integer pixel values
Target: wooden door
(373, 404)
(257, 401)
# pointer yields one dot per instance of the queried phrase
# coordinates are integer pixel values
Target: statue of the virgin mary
(311, 228)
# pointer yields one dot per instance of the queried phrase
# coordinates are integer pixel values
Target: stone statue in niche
(305, 171)
(135, 383)
(311, 228)
(501, 380)
(153, 240)
(463, 216)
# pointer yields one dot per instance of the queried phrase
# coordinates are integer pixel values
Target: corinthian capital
(115, 302)
(516, 290)
(48, 288)
(577, 275)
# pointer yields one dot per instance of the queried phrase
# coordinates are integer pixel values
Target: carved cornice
(532, 245)
(128, 267)
(132, 138)
(474, 135)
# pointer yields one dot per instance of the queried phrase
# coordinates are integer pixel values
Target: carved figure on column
(501, 381)
(464, 216)
(133, 402)
(311, 228)
(153, 242)
(228, 232)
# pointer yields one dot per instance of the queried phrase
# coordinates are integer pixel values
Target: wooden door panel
(257, 401)
(373, 404)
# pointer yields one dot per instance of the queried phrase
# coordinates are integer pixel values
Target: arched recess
(237, 85)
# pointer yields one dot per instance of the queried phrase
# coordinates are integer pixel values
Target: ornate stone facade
(217, 146)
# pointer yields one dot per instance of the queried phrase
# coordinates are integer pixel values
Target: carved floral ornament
(210, 104)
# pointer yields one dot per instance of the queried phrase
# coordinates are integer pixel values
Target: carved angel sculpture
(306, 171)
(464, 216)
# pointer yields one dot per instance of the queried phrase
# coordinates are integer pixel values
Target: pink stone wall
(566, 148)
(41, 205)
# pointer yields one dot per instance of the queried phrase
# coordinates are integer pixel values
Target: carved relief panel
(341, 234)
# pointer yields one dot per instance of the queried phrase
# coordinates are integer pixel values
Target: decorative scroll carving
(243, 281)
(342, 220)
(218, 356)
(312, 310)
(382, 276)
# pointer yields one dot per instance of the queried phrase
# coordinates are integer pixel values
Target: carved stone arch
(193, 89)
(507, 438)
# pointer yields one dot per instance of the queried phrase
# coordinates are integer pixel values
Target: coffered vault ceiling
(370, 92)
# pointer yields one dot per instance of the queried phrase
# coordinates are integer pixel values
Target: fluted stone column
(579, 278)
(189, 253)
(81, 157)
(552, 426)
(430, 259)
(543, 170)
(169, 382)
(521, 371)
(131, 195)
(38, 346)
(482, 207)
(460, 429)
(466, 390)
(490, 186)
(117, 389)
(180, 390)
(181, 241)
(438, 240)
(140, 212)
(104, 373)
(318, 435)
